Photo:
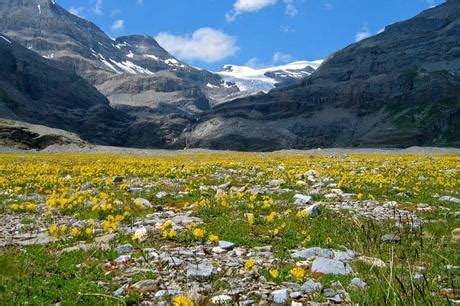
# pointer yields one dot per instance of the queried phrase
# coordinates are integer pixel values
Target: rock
(147, 285)
(201, 271)
(32, 239)
(144, 202)
(345, 256)
(313, 210)
(117, 179)
(218, 250)
(185, 220)
(86, 187)
(391, 238)
(123, 259)
(135, 189)
(166, 293)
(226, 245)
(417, 276)
(120, 291)
(358, 283)
(300, 199)
(456, 235)
(310, 286)
(161, 194)
(375, 262)
(221, 299)
(330, 266)
(280, 296)
(312, 252)
(294, 303)
(140, 234)
(124, 249)
(276, 183)
(296, 295)
(449, 199)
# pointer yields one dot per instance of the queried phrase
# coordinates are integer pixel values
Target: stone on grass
(221, 299)
(143, 202)
(146, 285)
(280, 296)
(391, 238)
(372, 261)
(300, 199)
(124, 249)
(312, 252)
(117, 179)
(310, 286)
(449, 199)
(226, 245)
(330, 266)
(200, 271)
(456, 235)
(358, 283)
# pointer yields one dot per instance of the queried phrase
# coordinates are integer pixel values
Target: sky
(257, 33)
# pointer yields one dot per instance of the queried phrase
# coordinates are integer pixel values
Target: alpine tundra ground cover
(229, 228)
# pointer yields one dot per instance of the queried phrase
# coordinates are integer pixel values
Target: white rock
(330, 266)
(280, 296)
(449, 199)
(221, 299)
(300, 199)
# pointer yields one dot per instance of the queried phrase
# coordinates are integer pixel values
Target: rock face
(160, 94)
(396, 89)
(40, 91)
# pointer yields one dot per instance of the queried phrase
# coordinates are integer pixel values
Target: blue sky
(210, 33)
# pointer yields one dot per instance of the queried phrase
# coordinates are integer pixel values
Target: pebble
(200, 271)
(449, 199)
(375, 262)
(391, 238)
(300, 199)
(117, 179)
(221, 299)
(147, 285)
(280, 296)
(330, 266)
(312, 252)
(226, 245)
(144, 202)
(310, 286)
(124, 249)
(358, 283)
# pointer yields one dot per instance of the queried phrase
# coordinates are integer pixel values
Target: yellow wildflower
(298, 273)
(249, 264)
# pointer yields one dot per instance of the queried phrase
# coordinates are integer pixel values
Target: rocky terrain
(396, 89)
(230, 229)
(399, 88)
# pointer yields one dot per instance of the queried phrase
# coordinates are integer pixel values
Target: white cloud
(77, 11)
(363, 34)
(282, 58)
(118, 25)
(205, 44)
(247, 6)
(97, 8)
(287, 29)
(291, 9)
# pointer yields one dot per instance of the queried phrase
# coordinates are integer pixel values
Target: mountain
(253, 80)
(131, 70)
(40, 91)
(399, 88)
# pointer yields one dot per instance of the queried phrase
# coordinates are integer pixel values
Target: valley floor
(144, 227)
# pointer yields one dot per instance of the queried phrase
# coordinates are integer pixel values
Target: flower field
(229, 228)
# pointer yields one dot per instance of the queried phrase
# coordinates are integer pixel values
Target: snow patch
(39, 9)
(130, 54)
(6, 39)
(131, 68)
(151, 57)
(209, 85)
(256, 80)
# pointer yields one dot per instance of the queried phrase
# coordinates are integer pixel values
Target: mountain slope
(123, 68)
(254, 80)
(40, 91)
(397, 89)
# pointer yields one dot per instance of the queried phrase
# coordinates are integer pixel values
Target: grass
(42, 275)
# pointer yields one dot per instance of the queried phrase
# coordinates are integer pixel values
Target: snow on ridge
(255, 80)
(6, 39)
(130, 54)
(151, 57)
